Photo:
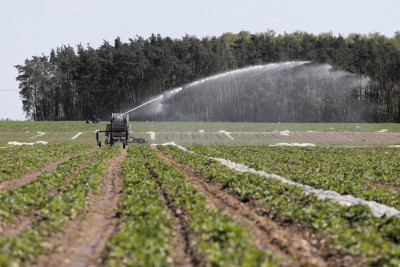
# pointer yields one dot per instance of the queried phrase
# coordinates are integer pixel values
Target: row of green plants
(348, 230)
(368, 173)
(12, 151)
(144, 235)
(146, 126)
(53, 212)
(37, 149)
(220, 240)
(49, 126)
(20, 160)
(32, 196)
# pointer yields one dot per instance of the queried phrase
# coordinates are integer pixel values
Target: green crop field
(220, 194)
(336, 134)
(81, 126)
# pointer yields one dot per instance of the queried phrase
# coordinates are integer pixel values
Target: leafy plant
(221, 241)
(349, 230)
(54, 212)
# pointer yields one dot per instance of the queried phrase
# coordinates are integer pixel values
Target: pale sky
(33, 27)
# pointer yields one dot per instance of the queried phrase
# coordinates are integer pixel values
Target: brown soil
(295, 244)
(6, 158)
(184, 242)
(19, 224)
(383, 185)
(29, 176)
(184, 254)
(84, 239)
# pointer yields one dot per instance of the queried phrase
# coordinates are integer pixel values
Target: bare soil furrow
(19, 224)
(184, 254)
(296, 245)
(382, 185)
(184, 242)
(84, 239)
(6, 158)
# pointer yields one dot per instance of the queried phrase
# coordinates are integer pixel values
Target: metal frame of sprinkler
(119, 128)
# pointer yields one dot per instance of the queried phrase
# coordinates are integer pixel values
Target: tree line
(77, 83)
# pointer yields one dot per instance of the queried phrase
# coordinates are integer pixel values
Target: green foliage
(20, 160)
(349, 230)
(54, 211)
(22, 248)
(221, 241)
(140, 126)
(145, 230)
(33, 195)
(369, 173)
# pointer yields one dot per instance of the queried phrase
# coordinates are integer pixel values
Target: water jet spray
(142, 105)
(295, 91)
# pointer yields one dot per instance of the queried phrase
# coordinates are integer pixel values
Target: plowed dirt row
(184, 255)
(296, 245)
(21, 222)
(84, 239)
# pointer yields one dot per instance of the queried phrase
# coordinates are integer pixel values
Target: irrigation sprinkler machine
(119, 128)
(118, 131)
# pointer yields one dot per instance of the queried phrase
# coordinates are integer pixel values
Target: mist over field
(295, 91)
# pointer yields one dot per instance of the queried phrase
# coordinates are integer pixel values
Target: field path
(84, 239)
(283, 239)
